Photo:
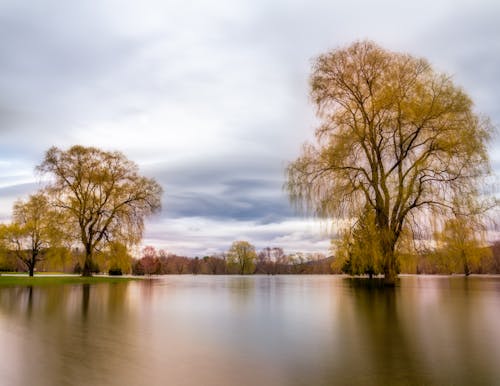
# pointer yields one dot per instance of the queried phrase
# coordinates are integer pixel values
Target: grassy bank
(38, 280)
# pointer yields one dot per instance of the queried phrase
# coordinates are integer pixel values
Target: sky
(210, 97)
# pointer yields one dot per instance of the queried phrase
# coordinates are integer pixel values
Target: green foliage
(115, 256)
(18, 280)
(241, 257)
(94, 268)
(462, 245)
(7, 261)
(57, 258)
(359, 248)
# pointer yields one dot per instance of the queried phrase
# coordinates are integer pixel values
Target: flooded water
(258, 330)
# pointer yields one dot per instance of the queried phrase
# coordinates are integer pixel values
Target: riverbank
(10, 280)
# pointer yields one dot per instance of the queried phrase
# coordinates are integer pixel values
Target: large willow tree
(102, 194)
(396, 139)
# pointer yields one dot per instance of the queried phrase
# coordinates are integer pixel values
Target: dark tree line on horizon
(268, 261)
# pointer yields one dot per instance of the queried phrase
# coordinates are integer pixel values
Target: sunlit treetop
(396, 138)
(103, 194)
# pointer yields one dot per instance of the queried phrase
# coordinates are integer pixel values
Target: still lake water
(254, 330)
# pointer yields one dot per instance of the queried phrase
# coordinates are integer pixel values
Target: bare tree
(396, 139)
(269, 259)
(103, 195)
(195, 265)
(215, 264)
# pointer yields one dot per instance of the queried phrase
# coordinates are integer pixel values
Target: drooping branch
(395, 138)
(103, 193)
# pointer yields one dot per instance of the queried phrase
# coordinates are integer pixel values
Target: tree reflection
(256, 330)
(85, 300)
(242, 290)
(29, 305)
(385, 345)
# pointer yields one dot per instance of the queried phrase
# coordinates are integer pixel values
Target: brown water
(228, 330)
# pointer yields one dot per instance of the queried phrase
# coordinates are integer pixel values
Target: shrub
(115, 271)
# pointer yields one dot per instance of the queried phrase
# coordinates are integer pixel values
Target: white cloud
(211, 98)
(201, 236)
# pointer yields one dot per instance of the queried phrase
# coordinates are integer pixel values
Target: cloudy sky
(209, 97)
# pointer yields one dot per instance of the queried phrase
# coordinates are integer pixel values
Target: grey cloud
(72, 71)
(19, 190)
(466, 44)
(221, 206)
(200, 236)
(51, 65)
(10, 193)
(250, 190)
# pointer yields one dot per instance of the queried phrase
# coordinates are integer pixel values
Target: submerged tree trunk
(390, 263)
(466, 265)
(390, 276)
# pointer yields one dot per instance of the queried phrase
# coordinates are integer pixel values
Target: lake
(253, 330)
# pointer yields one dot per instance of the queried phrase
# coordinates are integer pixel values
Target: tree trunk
(390, 265)
(466, 266)
(87, 266)
(390, 277)
(32, 263)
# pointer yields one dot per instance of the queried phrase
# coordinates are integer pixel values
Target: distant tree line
(274, 261)
(268, 261)
(241, 258)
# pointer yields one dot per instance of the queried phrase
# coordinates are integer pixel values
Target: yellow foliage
(396, 139)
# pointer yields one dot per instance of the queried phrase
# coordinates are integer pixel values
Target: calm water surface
(258, 330)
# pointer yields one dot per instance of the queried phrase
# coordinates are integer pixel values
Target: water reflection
(383, 346)
(227, 330)
(85, 300)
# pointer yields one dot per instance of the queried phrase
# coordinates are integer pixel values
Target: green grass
(38, 280)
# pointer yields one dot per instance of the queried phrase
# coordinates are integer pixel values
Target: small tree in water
(103, 195)
(396, 140)
(241, 256)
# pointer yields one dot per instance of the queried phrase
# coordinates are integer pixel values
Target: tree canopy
(242, 256)
(462, 243)
(103, 195)
(396, 142)
(34, 229)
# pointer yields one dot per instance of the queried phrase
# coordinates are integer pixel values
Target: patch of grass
(23, 280)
